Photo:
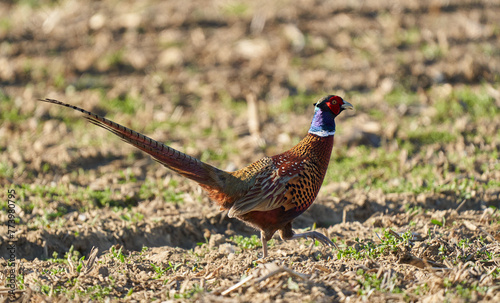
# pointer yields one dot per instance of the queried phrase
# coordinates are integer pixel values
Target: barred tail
(179, 162)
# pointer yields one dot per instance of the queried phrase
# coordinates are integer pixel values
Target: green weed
(117, 254)
(371, 281)
(431, 137)
(400, 96)
(11, 112)
(251, 242)
(195, 289)
(124, 104)
(367, 249)
(465, 102)
(161, 271)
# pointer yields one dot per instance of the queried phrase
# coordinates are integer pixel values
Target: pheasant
(268, 194)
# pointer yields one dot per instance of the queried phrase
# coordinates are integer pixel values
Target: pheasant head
(326, 109)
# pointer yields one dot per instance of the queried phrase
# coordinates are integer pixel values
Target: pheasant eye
(333, 100)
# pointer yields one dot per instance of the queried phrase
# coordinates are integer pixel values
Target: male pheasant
(267, 194)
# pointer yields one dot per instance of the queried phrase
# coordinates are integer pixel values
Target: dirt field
(411, 196)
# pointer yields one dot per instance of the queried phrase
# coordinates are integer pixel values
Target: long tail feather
(181, 163)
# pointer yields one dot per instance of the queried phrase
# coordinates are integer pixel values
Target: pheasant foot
(315, 235)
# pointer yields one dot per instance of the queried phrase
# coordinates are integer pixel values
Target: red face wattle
(335, 103)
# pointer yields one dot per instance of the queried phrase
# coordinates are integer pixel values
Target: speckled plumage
(301, 171)
(269, 193)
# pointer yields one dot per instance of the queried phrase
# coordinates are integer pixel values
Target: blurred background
(232, 81)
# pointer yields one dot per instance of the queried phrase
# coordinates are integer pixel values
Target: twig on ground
(272, 269)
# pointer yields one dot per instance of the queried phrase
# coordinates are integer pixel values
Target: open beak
(347, 105)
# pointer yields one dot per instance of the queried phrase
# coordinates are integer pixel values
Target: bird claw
(317, 236)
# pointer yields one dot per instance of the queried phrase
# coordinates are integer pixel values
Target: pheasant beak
(347, 105)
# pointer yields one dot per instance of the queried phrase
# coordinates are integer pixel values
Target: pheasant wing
(271, 187)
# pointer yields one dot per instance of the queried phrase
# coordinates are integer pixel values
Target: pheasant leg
(264, 245)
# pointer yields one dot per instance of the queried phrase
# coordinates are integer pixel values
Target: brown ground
(189, 67)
